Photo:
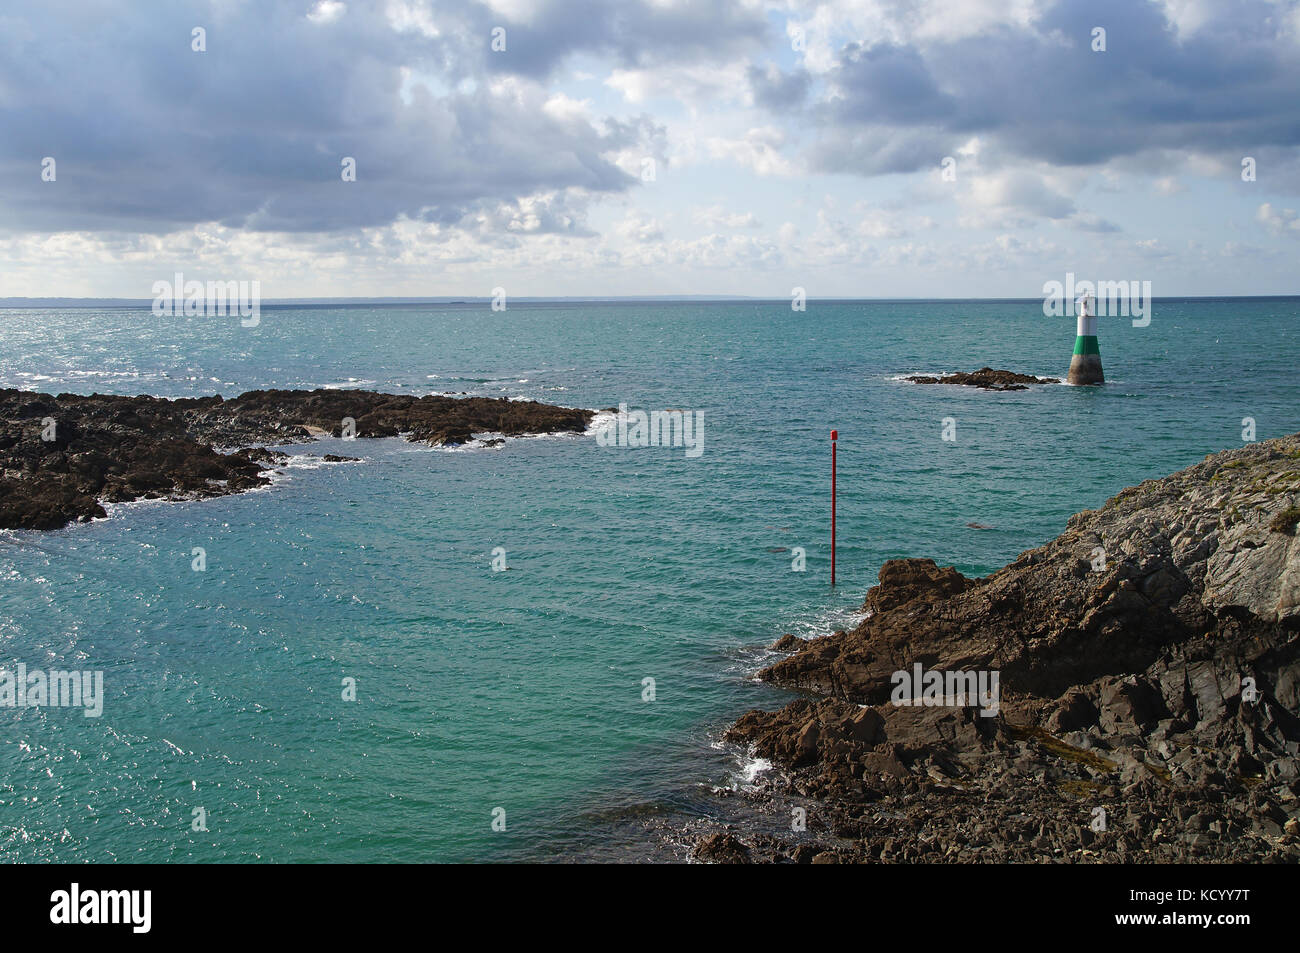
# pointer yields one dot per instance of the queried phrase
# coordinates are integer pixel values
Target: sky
(877, 148)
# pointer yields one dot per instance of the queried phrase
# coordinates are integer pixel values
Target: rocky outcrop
(1149, 677)
(986, 378)
(62, 457)
(722, 848)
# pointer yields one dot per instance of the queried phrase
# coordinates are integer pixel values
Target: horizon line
(23, 301)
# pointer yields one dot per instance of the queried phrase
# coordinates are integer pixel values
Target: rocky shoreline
(1148, 664)
(62, 457)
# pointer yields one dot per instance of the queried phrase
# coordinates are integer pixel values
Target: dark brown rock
(61, 457)
(986, 378)
(722, 848)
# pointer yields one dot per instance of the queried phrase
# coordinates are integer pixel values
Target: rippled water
(522, 690)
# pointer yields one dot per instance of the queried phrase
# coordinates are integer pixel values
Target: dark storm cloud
(1230, 86)
(151, 135)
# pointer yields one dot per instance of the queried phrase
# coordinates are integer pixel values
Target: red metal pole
(835, 435)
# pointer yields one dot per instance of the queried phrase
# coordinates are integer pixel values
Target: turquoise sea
(523, 690)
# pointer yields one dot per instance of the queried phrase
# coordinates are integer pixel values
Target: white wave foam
(749, 768)
(752, 768)
(602, 419)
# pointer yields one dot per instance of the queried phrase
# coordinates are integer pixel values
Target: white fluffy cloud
(1279, 221)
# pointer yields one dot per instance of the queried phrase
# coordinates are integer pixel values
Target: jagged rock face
(1157, 565)
(904, 581)
(1152, 650)
(61, 457)
(1255, 568)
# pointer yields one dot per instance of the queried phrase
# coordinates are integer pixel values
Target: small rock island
(986, 378)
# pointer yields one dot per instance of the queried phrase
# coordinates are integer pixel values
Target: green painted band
(1086, 344)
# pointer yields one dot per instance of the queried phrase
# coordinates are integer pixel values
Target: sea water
(573, 705)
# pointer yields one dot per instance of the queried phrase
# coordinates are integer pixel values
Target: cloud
(562, 212)
(1088, 222)
(633, 33)
(691, 85)
(152, 135)
(778, 91)
(1205, 78)
(759, 149)
(327, 11)
(1019, 191)
(1279, 221)
(716, 216)
(1153, 248)
(886, 84)
(639, 228)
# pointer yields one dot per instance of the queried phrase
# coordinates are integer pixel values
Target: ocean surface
(521, 695)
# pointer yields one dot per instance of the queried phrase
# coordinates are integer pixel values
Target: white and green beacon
(1085, 365)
